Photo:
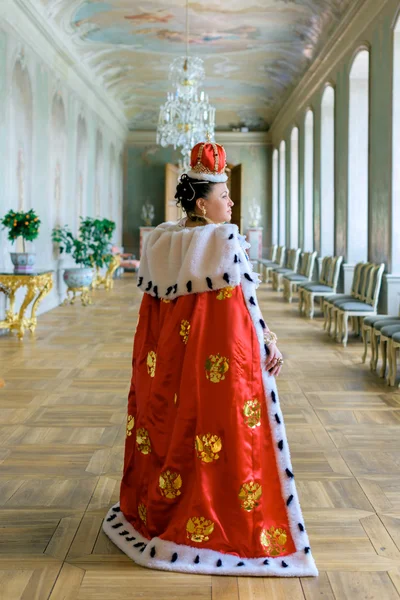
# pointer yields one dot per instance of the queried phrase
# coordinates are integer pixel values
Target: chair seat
(282, 270)
(379, 325)
(336, 297)
(390, 330)
(338, 303)
(317, 287)
(355, 306)
(273, 266)
(265, 261)
(296, 277)
(396, 337)
(376, 318)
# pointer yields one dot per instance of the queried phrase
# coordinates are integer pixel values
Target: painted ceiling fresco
(254, 51)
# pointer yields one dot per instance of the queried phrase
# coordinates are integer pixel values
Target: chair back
(304, 258)
(293, 259)
(325, 267)
(272, 254)
(309, 267)
(357, 282)
(280, 255)
(334, 272)
(374, 285)
(365, 274)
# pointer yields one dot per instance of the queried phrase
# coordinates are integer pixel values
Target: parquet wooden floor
(62, 431)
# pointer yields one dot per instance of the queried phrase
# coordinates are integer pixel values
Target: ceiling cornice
(231, 138)
(51, 45)
(361, 15)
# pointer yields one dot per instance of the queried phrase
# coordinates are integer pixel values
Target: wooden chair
(266, 265)
(322, 280)
(382, 335)
(330, 277)
(292, 281)
(354, 293)
(367, 332)
(355, 308)
(292, 264)
(394, 345)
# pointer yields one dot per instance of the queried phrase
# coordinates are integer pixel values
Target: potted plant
(75, 277)
(26, 226)
(98, 233)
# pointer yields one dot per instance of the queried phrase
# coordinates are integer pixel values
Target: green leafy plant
(69, 244)
(21, 224)
(98, 233)
(92, 247)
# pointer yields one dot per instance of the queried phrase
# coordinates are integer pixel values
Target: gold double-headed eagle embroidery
(252, 413)
(216, 366)
(249, 495)
(184, 332)
(207, 447)
(151, 363)
(130, 424)
(273, 540)
(198, 529)
(225, 293)
(142, 512)
(143, 441)
(170, 484)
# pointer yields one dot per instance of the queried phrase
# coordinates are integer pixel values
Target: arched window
(357, 221)
(282, 193)
(294, 188)
(275, 195)
(327, 171)
(395, 251)
(309, 182)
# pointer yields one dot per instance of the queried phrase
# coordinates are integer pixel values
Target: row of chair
(380, 332)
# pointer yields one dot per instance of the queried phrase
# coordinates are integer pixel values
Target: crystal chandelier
(187, 117)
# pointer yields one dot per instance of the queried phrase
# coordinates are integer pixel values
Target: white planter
(23, 262)
(78, 277)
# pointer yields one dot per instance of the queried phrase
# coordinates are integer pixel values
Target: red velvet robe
(202, 484)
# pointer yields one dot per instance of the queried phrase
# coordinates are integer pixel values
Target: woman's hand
(271, 364)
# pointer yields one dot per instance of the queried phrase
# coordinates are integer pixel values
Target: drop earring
(203, 210)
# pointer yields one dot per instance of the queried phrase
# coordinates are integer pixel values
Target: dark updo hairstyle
(189, 190)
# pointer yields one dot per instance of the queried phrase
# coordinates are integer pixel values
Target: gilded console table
(107, 280)
(38, 285)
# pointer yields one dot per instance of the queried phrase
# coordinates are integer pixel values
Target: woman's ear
(200, 203)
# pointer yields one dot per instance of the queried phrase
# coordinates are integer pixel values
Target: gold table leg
(86, 297)
(39, 285)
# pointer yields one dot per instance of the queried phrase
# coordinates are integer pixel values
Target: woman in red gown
(208, 485)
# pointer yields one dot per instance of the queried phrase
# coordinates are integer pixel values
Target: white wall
(47, 153)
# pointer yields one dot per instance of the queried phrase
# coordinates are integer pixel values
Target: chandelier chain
(186, 118)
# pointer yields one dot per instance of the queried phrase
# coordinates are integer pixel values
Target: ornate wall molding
(26, 22)
(362, 15)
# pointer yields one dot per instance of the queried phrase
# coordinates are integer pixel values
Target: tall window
(275, 197)
(357, 222)
(282, 193)
(294, 188)
(308, 181)
(396, 154)
(327, 171)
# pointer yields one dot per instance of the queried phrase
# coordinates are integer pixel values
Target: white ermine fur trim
(178, 260)
(175, 251)
(208, 177)
(168, 556)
